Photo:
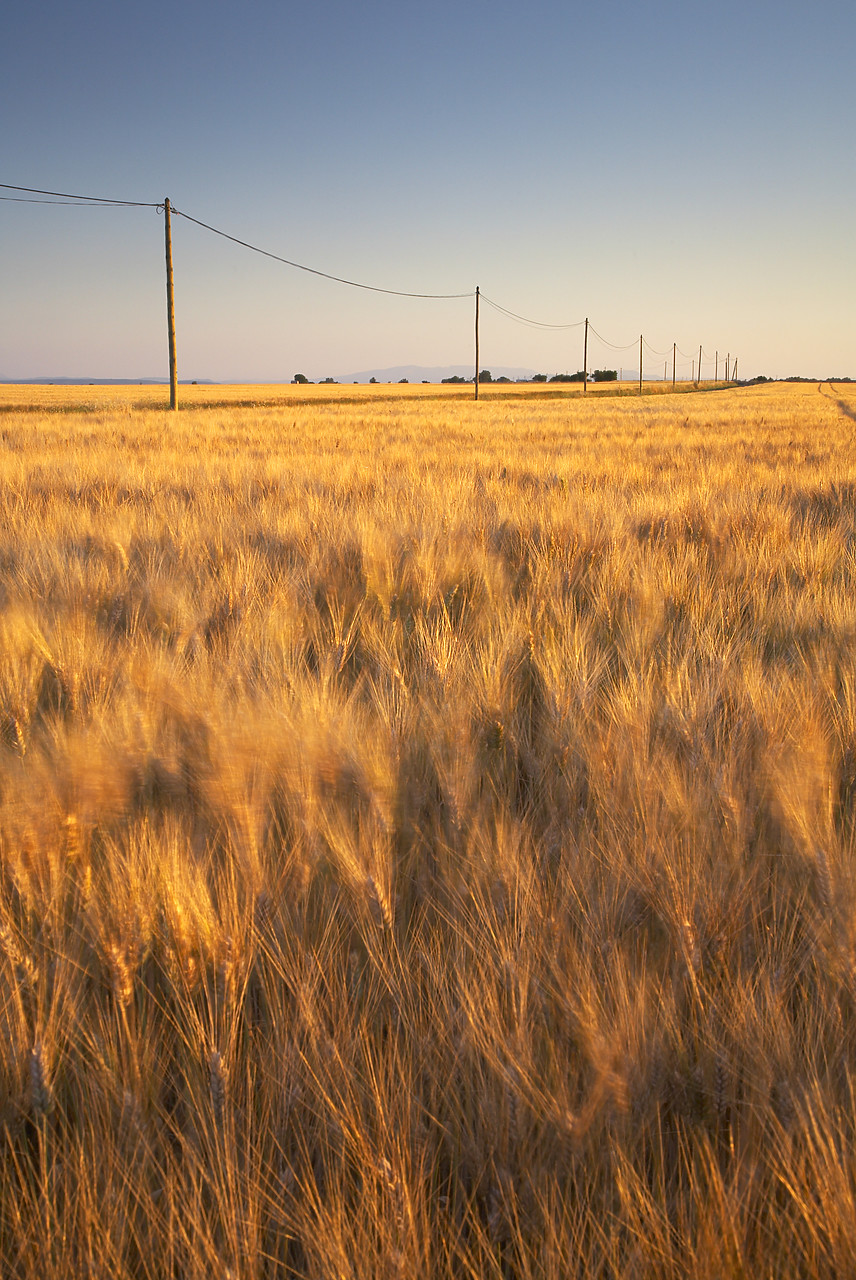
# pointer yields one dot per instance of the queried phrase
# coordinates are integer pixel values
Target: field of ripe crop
(427, 834)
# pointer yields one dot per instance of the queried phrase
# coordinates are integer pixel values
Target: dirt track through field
(846, 409)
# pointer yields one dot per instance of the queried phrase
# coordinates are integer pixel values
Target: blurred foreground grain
(427, 835)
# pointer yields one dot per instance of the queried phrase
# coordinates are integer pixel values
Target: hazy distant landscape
(412, 372)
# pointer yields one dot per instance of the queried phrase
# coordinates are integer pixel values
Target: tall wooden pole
(585, 357)
(727, 360)
(170, 310)
(699, 364)
(734, 370)
(692, 376)
(477, 342)
(674, 356)
(640, 364)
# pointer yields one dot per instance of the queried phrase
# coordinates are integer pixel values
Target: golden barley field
(427, 834)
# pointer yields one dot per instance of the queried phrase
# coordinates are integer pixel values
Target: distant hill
(436, 373)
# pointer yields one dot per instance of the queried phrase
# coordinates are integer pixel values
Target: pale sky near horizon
(679, 170)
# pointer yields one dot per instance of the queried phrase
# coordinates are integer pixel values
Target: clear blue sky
(687, 171)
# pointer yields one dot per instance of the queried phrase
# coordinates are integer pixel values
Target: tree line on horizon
(598, 375)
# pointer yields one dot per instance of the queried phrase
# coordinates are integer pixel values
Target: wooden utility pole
(699, 366)
(170, 310)
(665, 370)
(640, 364)
(674, 356)
(477, 342)
(734, 370)
(585, 357)
(692, 375)
(727, 359)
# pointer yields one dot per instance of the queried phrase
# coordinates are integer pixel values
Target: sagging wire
(534, 324)
(66, 196)
(299, 266)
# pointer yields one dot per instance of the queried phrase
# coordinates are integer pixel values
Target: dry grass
(427, 836)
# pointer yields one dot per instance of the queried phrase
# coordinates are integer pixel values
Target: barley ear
(41, 1093)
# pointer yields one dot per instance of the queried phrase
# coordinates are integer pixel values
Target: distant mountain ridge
(410, 372)
(435, 373)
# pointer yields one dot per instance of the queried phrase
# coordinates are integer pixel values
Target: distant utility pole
(674, 356)
(640, 364)
(727, 359)
(665, 370)
(477, 342)
(692, 375)
(170, 310)
(585, 357)
(734, 370)
(699, 364)
(716, 368)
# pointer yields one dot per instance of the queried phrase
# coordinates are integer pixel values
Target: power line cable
(65, 195)
(534, 324)
(600, 337)
(86, 201)
(65, 204)
(355, 284)
(102, 201)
